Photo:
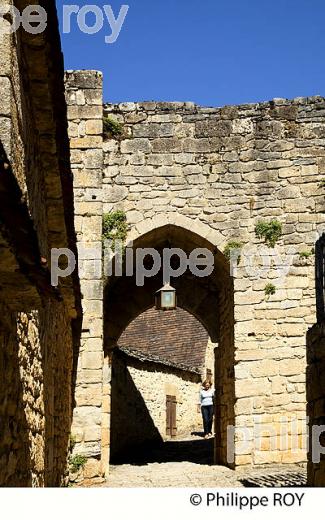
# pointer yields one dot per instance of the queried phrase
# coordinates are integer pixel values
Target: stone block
(6, 52)
(5, 100)
(92, 434)
(89, 376)
(106, 404)
(114, 193)
(278, 385)
(251, 387)
(81, 112)
(196, 145)
(87, 416)
(93, 158)
(160, 159)
(166, 145)
(90, 395)
(244, 406)
(288, 367)
(92, 360)
(213, 128)
(94, 127)
(86, 143)
(5, 135)
(154, 130)
(135, 145)
(88, 208)
(169, 171)
(266, 457)
(84, 79)
(92, 469)
(93, 96)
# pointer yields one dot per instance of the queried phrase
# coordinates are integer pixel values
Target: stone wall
(16, 465)
(84, 100)
(139, 390)
(224, 374)
(217, 172)
(213, 174)
(37, 322)
(316, 404)
(35, 409)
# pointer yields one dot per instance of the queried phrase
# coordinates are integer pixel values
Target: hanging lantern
(165, 298)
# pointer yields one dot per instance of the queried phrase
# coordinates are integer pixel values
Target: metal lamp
(165, 298)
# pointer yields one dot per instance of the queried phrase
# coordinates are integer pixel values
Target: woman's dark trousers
(207, 414)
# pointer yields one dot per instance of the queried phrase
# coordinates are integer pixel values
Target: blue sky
(212, 52)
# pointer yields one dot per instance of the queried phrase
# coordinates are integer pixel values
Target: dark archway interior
(124, 300)
(209, 299)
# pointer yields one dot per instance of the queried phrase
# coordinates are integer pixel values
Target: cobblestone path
(188, 463)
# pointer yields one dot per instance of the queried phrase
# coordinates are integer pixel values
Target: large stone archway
(209, 299)
(197, 295)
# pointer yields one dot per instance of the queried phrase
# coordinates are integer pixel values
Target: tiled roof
(175, 336)
(144, 357)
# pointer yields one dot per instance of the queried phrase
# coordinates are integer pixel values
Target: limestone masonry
(38, 324)
(194, 176)
(185, 177)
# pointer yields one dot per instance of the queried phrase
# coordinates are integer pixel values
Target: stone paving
(188, 463)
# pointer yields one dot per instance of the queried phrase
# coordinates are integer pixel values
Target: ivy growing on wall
(115, 227)
(270, 231)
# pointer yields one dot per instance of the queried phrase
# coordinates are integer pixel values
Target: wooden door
(171, 428)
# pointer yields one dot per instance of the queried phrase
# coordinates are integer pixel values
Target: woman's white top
(206, 397)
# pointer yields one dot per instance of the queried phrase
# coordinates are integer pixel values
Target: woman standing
(206, 405)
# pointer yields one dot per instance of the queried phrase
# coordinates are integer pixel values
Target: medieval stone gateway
(243, 182)
(188, 176)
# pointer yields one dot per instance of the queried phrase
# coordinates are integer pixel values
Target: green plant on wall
(270, 231)
(231, 246)
(269, 289)
(72, 442)
(77, 462)
(306, 254)
(111, 128)
(115, 227)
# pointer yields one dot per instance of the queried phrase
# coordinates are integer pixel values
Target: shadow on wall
(35, 396)
(315, 377)
(15, 462)
(132, 427)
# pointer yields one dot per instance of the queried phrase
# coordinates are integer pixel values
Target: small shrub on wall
(115, 227)
(270, 289)
(270, 231)
(112, 129)
(77, 462)
(231, 246)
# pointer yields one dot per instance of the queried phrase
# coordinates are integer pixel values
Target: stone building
(193, 177)
(38, 323)
(185, 177)
(157, 368)
(152, 400)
